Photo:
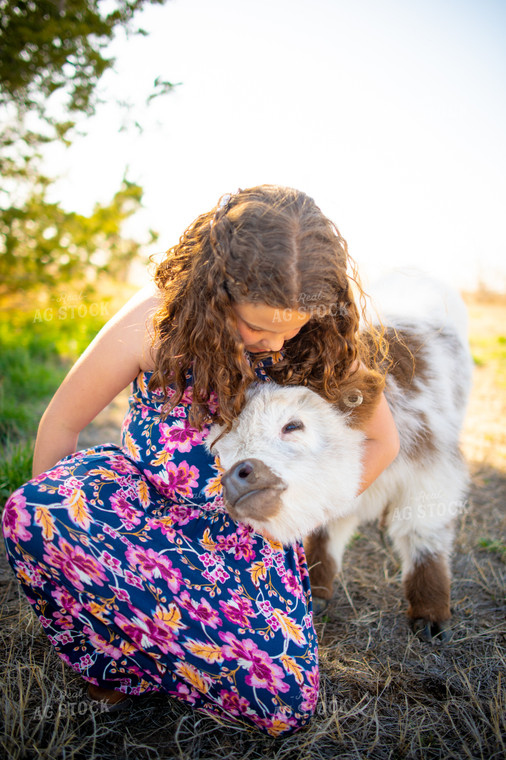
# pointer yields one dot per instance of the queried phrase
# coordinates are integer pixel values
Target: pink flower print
(133, 580)
(63, 621)
(240, 542)
(265, 607)
(208, 559)
(176, 480)
(263, 671)
(154, 565)
(310, 692)
(201, 611)
(69, 486)
(75, 564)
(58, 473)
(233, 703)
(119, 463)
(128, 515)
(101, 645)
(66, 659)
(16, 519)
(182, 514)
(85, 662)
(45, 622)
(164, 524)
(213, 402)
(186, 694)
(111, 562)
(110, 531)
(239, 610)
(179, 436)
(274, 623)
(187, 397)
(121, 593)
(29, 574)
(292, 584)
(64, 638)
(148, 632)
(276, 725)
(216, 575)
(66, 602)
(221, 574)
(302, 562)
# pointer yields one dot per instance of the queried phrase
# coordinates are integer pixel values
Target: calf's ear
(360, 394)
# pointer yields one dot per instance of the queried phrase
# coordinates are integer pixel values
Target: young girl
(138, 575)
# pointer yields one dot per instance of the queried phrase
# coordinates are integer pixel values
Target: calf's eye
(292, 425)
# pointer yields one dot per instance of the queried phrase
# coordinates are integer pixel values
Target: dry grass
(384, 694)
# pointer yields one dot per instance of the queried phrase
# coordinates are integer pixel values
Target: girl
(138, 575)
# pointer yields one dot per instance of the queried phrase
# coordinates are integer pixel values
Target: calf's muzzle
(252, 490)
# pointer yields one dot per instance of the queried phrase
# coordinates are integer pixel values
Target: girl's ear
(360, 394)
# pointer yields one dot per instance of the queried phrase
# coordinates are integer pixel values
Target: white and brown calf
(293, 462)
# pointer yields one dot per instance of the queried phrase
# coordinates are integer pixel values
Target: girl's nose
(274, 344)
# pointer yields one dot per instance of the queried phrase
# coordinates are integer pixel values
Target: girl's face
(264, 328)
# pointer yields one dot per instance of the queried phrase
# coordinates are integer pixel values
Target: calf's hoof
(432, 631)
(320, 606)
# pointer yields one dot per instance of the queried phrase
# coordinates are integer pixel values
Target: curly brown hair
(268, 245)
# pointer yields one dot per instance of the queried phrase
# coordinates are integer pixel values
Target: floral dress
(143, 582)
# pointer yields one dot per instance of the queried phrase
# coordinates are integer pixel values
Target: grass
(37, 347)
(384, 694)
(491, 545)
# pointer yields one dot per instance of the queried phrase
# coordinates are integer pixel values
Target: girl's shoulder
(138, 318)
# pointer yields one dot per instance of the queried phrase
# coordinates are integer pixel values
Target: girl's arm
(114, 358)
(381, 445)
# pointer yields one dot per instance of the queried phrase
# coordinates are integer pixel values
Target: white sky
(390, 113)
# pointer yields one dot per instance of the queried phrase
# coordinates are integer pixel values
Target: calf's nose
(254, 486)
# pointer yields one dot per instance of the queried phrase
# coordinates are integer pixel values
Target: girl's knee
(293, 710)
(23, 518)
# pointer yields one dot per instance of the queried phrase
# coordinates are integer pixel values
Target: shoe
(110, 700)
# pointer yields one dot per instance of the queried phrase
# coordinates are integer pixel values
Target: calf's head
(291, 461)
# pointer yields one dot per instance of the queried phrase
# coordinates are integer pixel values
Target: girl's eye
(292, 425)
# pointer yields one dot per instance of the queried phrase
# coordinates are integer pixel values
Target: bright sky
(390, 113)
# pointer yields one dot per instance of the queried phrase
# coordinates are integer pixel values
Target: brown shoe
(110, 700)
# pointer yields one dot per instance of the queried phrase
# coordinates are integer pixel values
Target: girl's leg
(139, 594)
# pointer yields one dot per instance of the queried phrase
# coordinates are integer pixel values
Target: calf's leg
(324, 552)
(427, 589)
(424, 550)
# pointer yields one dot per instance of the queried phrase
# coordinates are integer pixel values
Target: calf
(293, 462)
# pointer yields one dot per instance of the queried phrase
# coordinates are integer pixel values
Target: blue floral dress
(143, 582)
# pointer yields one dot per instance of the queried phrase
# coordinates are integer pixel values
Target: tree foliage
(51, 46)
(54, 53)
(42, 244)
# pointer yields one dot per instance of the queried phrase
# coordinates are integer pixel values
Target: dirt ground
(384, 693)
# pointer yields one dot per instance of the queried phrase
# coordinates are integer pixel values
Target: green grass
(494, 546)
(35, 354)
(490, 350)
